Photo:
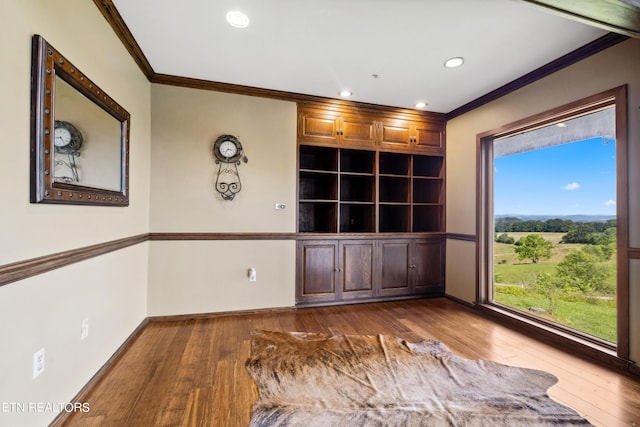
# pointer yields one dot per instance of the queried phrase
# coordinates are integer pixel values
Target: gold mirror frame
(47, 64)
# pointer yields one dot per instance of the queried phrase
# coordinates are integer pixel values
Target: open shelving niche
(344, 190)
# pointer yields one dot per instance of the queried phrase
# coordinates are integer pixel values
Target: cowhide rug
(308, 379)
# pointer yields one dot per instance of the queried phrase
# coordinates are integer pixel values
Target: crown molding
(113, 17)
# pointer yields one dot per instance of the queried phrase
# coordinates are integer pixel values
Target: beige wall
(212, 276)
(47, 310)
(195, 276)
(609, 69)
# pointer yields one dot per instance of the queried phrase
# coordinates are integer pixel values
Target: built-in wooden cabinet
(411, 136)
(343, 270)
(343, 190)
(327, 127)
(371, 199)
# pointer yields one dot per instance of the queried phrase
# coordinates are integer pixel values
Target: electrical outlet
(280, 206)
(38, 362)
(84, 328)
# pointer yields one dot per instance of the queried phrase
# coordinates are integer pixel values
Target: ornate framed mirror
(79, 135)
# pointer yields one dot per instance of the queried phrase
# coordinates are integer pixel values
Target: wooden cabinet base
(339, 270)
(304, 304)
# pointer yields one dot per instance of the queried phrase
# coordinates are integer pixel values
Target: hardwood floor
(191, 373)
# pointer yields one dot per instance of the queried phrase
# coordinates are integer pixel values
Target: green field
(514, 286)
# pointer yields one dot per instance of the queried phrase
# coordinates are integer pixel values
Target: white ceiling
(318, 47)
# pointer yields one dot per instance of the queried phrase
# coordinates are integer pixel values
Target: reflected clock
(67, 138)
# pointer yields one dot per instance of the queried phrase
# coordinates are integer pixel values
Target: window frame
(616, 97)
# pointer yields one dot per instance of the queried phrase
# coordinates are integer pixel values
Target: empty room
(320, 213)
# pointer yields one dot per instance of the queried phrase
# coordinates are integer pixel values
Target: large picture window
(553, 220)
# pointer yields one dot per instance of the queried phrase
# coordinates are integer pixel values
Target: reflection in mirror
(80, 136)
(96, 162)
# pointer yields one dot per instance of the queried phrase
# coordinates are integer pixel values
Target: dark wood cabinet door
(428, 138)
(357, 131)
(410, 136)
(318, 128)
(395, 135)
(317, 271)
(394, 261)
(427, 261)
(357, 268)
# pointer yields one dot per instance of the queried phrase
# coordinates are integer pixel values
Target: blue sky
(567, 179)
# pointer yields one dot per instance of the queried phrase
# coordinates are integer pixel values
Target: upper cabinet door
(427, 137)
(411, 136)
(357, 131)
(396, 135)
(318, 128)
(385, 130)
(327, 128)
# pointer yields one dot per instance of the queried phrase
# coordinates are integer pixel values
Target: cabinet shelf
(394, 218)
(314, 185)
(357, 161)
(318, 200)
(356, 174)
(427, 190)
(394, 189)
(318, 171)
(317, 217)
(356, 218)
(356, 188)
(394, 164)
(318, 158)
(355, 202)
(427, 218)
(427, 166)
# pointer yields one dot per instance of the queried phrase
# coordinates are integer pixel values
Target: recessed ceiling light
(345, 93)
(454, 62)
(561, 125)
(237, 19)
(420, 104)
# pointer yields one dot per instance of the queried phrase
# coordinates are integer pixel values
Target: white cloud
(572, 186)
(610, 203)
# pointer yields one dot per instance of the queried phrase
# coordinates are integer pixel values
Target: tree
(557, 225)
(505, 238)
(551, 287)
(580, 233)
(583, 270)
(607, 237)
(602, 252)
(533, 247)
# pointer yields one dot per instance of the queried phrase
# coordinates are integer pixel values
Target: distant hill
(575, 218)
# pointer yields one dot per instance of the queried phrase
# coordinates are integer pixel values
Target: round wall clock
(67, 138)
(227, 148)
(228, 152)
